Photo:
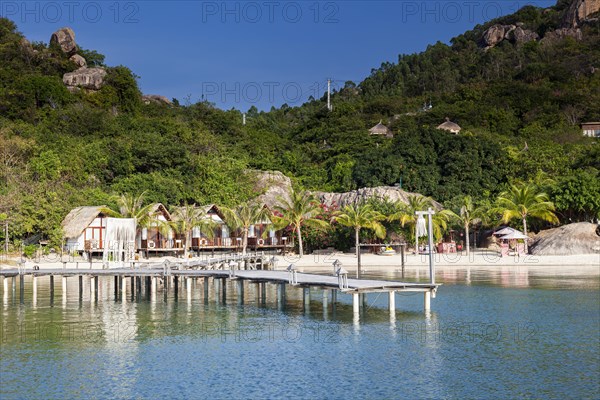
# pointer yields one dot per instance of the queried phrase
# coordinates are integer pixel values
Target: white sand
(586, 264)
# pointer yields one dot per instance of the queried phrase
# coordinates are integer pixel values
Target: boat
(387, 251)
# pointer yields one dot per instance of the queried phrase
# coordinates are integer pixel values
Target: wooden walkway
(250, 268)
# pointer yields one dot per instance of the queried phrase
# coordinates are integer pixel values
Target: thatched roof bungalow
(381, 129)
(84, 228)
(450, 127)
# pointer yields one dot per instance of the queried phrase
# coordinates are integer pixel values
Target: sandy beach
(481, 259)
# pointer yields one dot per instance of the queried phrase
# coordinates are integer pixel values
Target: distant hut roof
(450, 126)
(380, 129)
(78, 219)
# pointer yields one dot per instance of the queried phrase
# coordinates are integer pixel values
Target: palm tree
(131, 206)
(524, 200)
(360, 216)
(188, 217)
(301, 209)
(406, 215)
(406, 212)
(467, 215)
(244, 216)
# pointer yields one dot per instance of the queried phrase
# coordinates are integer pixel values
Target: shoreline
(588, 263)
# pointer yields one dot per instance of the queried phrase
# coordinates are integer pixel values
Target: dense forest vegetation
(520, 107)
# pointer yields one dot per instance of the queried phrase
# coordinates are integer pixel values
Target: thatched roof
(572, 239)
(159, 208)
(450, 126)
(380, 129)
(78, 219)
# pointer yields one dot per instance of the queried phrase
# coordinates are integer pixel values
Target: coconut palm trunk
(525, 233)
(467, 240)
(300, 247)
(187, 241)
(245, 241)
(357, 244)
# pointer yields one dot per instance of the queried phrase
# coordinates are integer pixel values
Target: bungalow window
(251, 231)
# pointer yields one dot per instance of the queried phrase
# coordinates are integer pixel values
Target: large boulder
(494, 35)
(391, 193)
(78, 60)
(521, 35)
(85, 78)
(65, 39)
(155, 98)
(580, 11)
(572, 239)
(559, 34)
(272, 185)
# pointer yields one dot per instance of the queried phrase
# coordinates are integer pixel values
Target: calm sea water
(493, 334)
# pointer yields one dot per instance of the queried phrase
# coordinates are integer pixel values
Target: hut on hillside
(84, 229)
(450, 126)
(381, 129)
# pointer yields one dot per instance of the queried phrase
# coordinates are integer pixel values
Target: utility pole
(244, 119)
(329, 94)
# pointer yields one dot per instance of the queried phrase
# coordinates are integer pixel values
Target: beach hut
(84, 229)
(221, 234)
(450, 126)
(156, 235)
(381, 129)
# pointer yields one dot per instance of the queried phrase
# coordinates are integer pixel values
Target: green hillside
(520, 106)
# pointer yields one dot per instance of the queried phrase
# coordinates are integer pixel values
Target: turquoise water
(505, 334)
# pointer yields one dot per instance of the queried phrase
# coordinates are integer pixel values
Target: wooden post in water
(240, 291)
(92, 289)
(22, 288)
(64, 289)
(280, 296)
(392, 301)
(306, 300)
(96, 284)
(51, 289)
(325, 303)
(5, 284)
(224, 289)
(427, 301)
(356, 303)
(123, 288)
(206, 282)
(80, 287)
(34, 283)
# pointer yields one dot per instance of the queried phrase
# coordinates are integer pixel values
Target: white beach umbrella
(505, 231)
(515, 235)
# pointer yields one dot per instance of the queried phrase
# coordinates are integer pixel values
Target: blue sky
(262, 53)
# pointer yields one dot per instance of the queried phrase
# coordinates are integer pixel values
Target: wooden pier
(256, 269)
